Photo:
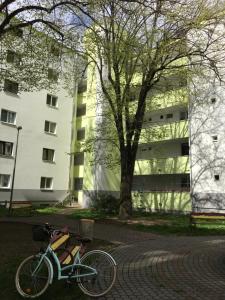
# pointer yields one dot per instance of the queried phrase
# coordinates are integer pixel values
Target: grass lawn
(159, 223)
(17, 244)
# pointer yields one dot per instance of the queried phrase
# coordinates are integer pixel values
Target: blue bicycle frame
(76, 264)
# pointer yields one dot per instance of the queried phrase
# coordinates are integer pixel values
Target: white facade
(31, 113)
(207, 146)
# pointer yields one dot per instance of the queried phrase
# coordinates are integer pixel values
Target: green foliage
(105, 203)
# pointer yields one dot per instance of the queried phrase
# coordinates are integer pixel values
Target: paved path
(162, 268)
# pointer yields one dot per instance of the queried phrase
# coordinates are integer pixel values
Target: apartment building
(43, 165)
(162, 171)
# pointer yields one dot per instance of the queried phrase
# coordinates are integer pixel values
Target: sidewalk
(108, 232)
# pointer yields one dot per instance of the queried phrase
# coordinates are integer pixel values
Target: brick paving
(156, 267)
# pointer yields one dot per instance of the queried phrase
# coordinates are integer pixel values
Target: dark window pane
(183, 115)
(42, 185)
(169, 116)
(79, 158)
(46, 126)
(10, 86)
(78, 183)
(4, 115)
(81, 110)
(81, 134)
(82, 86)
(49, 99)
(53, 75)
(184, 149)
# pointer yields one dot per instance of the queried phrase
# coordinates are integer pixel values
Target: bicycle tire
(28, 287)
(101, 283)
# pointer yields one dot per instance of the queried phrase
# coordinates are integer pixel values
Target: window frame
(46, 151)
(5, 147)
(51, 97)
(9, 181)
(7, 112)
(50, 123)
(45, 183)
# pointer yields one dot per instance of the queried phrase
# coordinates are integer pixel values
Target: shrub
(105, 203)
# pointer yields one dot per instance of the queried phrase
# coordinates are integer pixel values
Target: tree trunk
(127, 169)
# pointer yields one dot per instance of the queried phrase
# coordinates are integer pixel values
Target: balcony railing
(167, 131)
(171, 165)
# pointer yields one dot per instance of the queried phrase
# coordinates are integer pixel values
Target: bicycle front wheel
(33, 280)
(99, 284)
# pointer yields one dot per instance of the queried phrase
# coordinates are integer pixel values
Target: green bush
(105, 203)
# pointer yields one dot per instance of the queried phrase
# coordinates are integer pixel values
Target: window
(184, 149)
(48, 155)
(50, 127)
(51, 100)
(6, 148)
(4, 180)
(215, 138)
(81, 134)
(183, 115)
(11, 86)
(46, 183)
(79, 158)
(78, 183)
(185, 182)
(169, 116)
(213, 100)
(8, 116)
(53, 75)
(82, 86)
(161, 117)
(216, 177)
(150, 119)
(13, 57)
(81, 110)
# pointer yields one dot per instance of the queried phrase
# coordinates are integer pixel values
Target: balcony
(169, 131)
(171, 165)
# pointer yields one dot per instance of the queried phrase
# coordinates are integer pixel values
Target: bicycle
(94, 271)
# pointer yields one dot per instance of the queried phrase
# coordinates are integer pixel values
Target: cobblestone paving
(163, 268)
(184, 268)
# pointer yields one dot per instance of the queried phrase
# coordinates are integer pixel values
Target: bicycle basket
(39, 233)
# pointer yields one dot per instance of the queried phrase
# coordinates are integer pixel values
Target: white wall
(207, 156)
(32, 112)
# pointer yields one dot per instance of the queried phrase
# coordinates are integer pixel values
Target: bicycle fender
(51, 268)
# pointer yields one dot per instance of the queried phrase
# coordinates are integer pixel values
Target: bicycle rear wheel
(99, 284)
(29, 284)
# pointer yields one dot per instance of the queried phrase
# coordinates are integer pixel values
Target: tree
(135, 47)
(32, 44)
(16, 15)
